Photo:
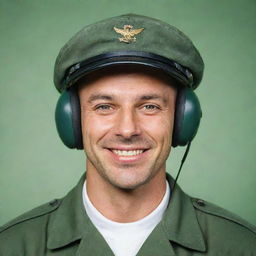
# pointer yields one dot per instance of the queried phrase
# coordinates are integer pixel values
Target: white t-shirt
(125, 239)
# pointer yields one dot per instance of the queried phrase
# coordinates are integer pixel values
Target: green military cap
(129, 39)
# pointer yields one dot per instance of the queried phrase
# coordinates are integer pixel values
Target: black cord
(181, 164)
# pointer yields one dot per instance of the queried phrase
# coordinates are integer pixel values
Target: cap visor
(171, 68)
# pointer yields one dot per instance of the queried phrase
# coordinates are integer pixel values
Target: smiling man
(127, 97)
(126, 147)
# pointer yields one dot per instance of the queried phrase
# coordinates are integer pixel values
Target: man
(127, 97)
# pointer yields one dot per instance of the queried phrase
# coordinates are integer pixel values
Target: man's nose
(127, 124)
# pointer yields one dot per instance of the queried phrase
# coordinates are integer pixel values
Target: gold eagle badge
(128, 33)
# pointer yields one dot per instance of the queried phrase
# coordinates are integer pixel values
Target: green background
(34, 165)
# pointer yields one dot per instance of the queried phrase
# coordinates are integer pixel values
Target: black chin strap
(181, 164)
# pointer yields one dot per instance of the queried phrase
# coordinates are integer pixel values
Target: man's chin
(128, 187)
(128, 181)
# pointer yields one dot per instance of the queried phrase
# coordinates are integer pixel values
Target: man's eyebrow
(100, 96)
(103, 96)
(153, 97)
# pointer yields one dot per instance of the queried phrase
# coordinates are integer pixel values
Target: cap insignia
(128, 33)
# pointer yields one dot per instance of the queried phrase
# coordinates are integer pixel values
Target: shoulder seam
(232, 217)
(29, 216)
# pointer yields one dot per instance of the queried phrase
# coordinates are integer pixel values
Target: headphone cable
(181, 164)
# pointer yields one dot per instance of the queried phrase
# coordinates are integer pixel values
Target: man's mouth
(127, 152)
(128, 155)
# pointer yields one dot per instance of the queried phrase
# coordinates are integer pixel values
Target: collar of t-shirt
(125, 239)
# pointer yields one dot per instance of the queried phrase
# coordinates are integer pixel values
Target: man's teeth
(127, 152)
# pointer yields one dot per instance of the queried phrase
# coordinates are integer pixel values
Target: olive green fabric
(157, 37)
(189, 227)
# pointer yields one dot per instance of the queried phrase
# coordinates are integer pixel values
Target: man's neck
(122, 205)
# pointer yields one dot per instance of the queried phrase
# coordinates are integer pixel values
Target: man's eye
(151, 107)
(103, 108)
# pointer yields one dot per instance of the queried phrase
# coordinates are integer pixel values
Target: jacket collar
(70, 223)
(67, 223)
(180, 221)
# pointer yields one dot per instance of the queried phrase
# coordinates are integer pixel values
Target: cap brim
(176, 71)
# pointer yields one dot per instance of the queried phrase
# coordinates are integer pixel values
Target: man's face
(127, 121)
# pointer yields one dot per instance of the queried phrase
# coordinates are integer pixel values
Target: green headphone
(68, 118)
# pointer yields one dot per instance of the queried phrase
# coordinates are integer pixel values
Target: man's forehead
(131, 77)
(136, 83)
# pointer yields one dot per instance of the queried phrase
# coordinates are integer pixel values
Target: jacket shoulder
(223, 228)
(214, 210)
(16, 235)
(34, 214)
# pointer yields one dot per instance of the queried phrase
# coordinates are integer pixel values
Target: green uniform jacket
(190, 227)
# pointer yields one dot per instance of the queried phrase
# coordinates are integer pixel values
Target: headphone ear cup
(187, 117)
(68, 119)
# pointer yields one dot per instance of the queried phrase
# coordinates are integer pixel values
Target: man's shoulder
(215, 213)
(35, 214)
(31, 224)
(220, 225)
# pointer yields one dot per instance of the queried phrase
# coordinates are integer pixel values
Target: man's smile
(127, 152)
(127, 155)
